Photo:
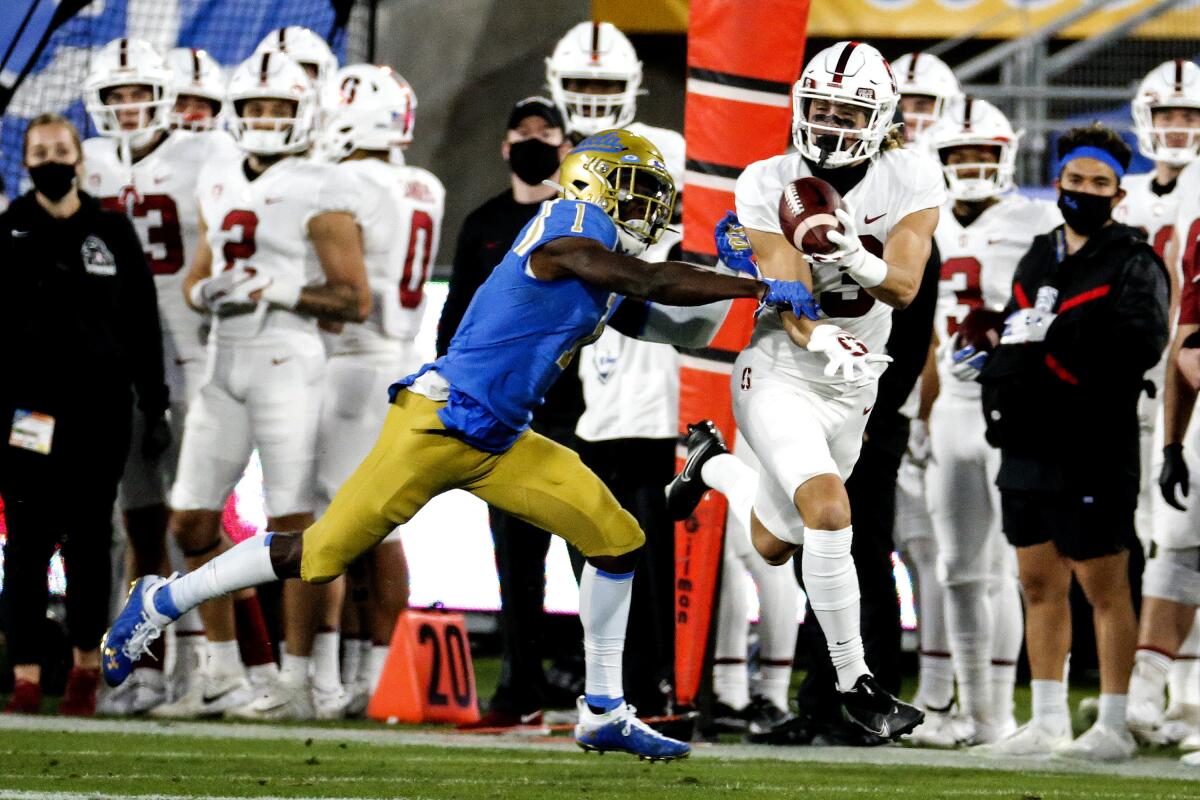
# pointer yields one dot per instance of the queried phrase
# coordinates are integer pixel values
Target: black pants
(64, 498)
(872, 491)
(636, 470)
(521, 565)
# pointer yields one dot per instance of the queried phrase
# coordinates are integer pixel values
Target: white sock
(375, 661)
(1148, 682)
(832, 586)
(246, 564)
(294, 669)
(778, 609)
(968, 618)
(352, 658)
(1112, 711)
(1050, 708)
(1184, 681)
(935, 681)
(920, 556)
(604, 613)
(1004, 682)
(1008, 631)
(730, 476)
(731, 681)
(223, 658)
(263, 674)
(326, 674)
(190, 622)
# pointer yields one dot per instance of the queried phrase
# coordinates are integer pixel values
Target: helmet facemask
(1170, 144)
(834, 136)
(153, 114)
(183, 120)
(978, 179)
(269, 135)
(917, 122)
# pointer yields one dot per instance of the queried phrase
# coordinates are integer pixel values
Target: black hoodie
(1064, 411)
(78, 312)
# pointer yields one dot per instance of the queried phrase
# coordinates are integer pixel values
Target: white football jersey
(978, 264)
(898, 183)
(1153, 213)
(263, 224)
(400, 215)
(159, 194)
(670, 143)
(1187, 228)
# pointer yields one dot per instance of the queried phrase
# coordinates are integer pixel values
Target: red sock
(253, 640)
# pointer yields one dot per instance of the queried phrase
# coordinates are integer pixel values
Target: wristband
(870, 271)
(284, 294)
(196, 295)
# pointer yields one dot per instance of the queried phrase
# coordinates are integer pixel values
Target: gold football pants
(415, 459)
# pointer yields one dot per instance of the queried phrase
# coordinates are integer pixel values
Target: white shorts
(1171, 528)
(147, 482)
(263, 394)
(964, 503)
(797, 433)
(352, 412)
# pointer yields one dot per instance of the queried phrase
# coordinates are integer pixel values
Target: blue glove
(789, 294)
(733, 246)
(967, 363)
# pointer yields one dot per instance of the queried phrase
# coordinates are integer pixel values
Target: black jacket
(78, 311)
(1064, 411)
(487, 234)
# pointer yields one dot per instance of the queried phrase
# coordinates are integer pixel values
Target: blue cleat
(621, 731)
(134, 630)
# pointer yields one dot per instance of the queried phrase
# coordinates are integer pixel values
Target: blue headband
(1098, 153)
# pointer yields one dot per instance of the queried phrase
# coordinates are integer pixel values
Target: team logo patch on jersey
(97, 258)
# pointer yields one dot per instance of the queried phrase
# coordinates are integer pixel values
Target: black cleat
(727, 719)
(684, 491)
(762, 715)
(872, 708)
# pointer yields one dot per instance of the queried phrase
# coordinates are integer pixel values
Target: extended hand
(848, 356)
(789, 294)
(733, 246)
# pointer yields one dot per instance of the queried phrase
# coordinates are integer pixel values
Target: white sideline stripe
(1146, 767)
(696, 86)
(703, 180)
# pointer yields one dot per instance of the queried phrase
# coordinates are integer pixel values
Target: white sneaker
(360, 698)
(211, 696)
(1190, 742)
(1191, 760)
(1145, 720)
(940, 729)
(1031, 739)
(1180, 722)
(144, 690)
(330, 703)
(287, 699)
(1100, 743)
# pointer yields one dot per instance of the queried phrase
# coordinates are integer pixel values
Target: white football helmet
(302, 44)
(848, 74)
(971, 121)
(275, 75)
(366, 107)
(1172, 84)
(925, 75)
(197, 74)
(129, 62)
(594, 51)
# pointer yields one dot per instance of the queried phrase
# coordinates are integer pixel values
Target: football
(806, 215)
(981, 329)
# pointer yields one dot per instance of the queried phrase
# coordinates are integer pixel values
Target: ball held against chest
(806, 215)
(981, 329)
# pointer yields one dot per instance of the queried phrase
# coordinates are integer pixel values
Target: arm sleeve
(141, 330)
(467, 274)
(1120, 347)
(908, 344)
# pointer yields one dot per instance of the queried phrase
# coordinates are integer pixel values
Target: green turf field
(46, 765)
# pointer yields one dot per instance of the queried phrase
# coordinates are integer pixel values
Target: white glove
(230, 287)
(919, 447)
(847, 355)
(282, 293)
(966, 364)
(851, 258)
(1027, 325)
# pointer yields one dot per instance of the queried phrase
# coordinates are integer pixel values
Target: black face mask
(532, 160)
(1084, 213)
(52, 179)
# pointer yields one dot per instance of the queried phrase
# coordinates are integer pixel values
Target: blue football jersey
(519, 332)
